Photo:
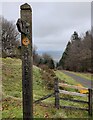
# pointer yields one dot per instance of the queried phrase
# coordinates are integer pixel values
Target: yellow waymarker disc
(26, 41)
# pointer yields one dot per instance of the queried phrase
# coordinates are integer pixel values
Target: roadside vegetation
(63, 77)
(12, 92)
(87, 76)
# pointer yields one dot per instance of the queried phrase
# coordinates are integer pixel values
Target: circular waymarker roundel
(26, 41)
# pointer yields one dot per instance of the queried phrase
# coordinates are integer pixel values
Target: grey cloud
(53, 23)
(52, 18)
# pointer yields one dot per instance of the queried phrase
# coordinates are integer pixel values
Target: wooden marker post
(24, 25)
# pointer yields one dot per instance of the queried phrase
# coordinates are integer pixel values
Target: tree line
(11, 46)
(42, 60)
(10, 38)
(77, 55)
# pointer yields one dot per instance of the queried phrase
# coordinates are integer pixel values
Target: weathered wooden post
(56, 93)
(90, 101)
(24, 25)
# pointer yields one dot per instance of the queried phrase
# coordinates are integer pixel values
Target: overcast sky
(53, 23)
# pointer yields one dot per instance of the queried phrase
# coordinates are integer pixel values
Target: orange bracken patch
(83, 91)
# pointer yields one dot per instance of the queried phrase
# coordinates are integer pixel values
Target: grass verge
(12, 93)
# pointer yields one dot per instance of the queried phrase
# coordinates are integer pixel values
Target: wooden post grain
(56, 93)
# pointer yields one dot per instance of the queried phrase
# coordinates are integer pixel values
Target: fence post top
(25, 6)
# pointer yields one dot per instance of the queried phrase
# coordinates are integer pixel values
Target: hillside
(12, 93)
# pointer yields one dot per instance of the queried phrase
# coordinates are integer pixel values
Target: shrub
(48, 77)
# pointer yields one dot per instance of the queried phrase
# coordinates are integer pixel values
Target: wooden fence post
(56, 89)
(90, 101)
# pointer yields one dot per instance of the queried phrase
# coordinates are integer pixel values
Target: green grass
(11, 108)
(12, 93)
(11, 77)
(65, 78)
